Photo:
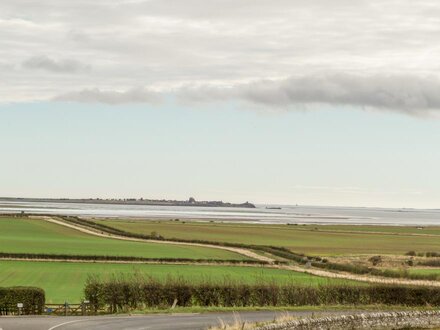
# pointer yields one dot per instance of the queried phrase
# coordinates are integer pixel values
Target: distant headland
(132, 201)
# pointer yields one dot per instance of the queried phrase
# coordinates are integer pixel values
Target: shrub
(121, 294)
(411, 253)
(375, 260)
(33, 299)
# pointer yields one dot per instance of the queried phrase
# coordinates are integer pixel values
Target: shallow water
(287, 213)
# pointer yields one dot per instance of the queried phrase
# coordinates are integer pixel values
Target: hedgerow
(33, 299)
(48, 256)
(122, 293)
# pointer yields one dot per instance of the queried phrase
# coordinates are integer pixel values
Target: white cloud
(288, 47)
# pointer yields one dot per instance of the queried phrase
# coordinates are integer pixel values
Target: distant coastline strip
(132, 201)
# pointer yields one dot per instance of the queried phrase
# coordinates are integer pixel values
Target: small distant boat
(273, 208)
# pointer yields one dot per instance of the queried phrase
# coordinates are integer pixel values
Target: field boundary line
(137, 262)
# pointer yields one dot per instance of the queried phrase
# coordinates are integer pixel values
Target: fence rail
(69, 309)
(66, 308)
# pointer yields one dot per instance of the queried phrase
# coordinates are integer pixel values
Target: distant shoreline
(132, 201)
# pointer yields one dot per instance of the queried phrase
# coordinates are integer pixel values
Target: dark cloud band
(402, 93)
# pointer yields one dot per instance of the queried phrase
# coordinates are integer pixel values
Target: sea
(264, 214)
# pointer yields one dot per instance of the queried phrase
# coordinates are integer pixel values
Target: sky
(280, 101)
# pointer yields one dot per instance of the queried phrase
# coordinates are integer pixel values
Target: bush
(33, 299)
(375, 260)
(411, 253)
(125, 293)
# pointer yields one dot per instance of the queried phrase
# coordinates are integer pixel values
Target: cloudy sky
(310, 102)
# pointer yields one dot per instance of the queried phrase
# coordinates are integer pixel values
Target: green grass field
(18, 235)
(425, 271)
(310, 239)
(384, 229)
(64, 281)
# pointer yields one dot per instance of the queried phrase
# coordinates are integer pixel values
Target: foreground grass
(317, 309)
(64, 281)
(308, 239)
(282, 317)
(21, 235)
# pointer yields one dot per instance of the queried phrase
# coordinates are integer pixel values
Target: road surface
(140, 322)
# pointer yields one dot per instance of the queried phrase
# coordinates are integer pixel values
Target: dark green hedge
(33, 299)
(122, 294)
(124, 258)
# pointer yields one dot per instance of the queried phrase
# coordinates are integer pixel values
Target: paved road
(150, 322)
